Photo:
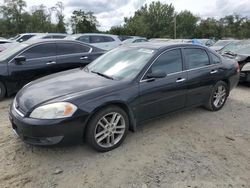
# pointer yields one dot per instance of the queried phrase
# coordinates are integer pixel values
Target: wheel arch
(120, 104)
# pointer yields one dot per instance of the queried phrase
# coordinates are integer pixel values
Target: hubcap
(110, 130)
(219, 96)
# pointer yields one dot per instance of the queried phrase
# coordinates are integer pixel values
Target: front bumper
(47, 132)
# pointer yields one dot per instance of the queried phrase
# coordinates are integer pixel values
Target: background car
(221, 44)
(102, 41)
(24, 37)
(49, 36)
(23, 62)
(4, 40)
(134, 40)
(120, 91)
(240, 52)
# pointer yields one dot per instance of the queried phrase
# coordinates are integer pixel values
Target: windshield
(121, 63)
(16, 37)
(12, 49)
(237, 47)
(222, 43)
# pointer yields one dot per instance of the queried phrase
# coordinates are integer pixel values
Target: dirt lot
(194, 148)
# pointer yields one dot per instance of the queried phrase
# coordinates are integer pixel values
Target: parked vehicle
(221, 44)
(207, 42)
(240, 51)
(99, 40)
(23, 62)
(134, 40)
(24, 37)
(5, 46)
(119, 91)
(4, 41)
(49, 36)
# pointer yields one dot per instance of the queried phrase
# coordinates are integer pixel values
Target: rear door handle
(179, 80)
(84, 58)
(51, 63)
(213, 71)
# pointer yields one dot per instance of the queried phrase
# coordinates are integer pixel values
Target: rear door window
(40, 51)
(96, 39)
(196, 58)
(71, 48)
(215, 59)
(84, 39)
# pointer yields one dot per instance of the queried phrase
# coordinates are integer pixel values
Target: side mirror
(20, 60)
(156, 74)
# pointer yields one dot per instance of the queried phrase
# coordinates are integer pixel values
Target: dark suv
(24, 62)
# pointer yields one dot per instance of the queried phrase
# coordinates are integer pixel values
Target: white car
(102, 41)
(134, 40)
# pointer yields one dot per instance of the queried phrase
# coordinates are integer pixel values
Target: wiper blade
(103, 75)
(230, 53)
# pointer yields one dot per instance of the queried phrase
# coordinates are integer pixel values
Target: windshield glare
(122, 63)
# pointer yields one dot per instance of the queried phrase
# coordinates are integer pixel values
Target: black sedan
(119, 91)
(24, 62)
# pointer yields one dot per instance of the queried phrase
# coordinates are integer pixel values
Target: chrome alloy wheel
(110, 129)
(220, 96)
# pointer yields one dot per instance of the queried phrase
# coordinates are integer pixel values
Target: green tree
(186, 24)
(60, 27)
(12, 12)
(155, 20)
(82, 22)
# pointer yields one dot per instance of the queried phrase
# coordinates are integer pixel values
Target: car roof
(40, 41)
(161, 45)
(91, 34)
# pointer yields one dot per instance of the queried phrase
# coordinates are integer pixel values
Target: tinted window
(47, 37)
(196, 58)
(71, 48)
(24, 38)
(58, 36)
(170, 62)
(140, 40)
(84, 39)
(96, 39)
(215, 58)
(42, 50)
(108, 39)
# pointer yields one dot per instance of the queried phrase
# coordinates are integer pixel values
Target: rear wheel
(218, 96)
(2, 91)
(107, 129)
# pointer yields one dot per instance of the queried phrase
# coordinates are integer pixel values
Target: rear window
(196, 58)
(71, 48)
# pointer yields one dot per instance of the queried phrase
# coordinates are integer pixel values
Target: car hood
(59, 85)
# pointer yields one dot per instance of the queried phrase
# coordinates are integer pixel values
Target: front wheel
(218, 96)
(107, 129)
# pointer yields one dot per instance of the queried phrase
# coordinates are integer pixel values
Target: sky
(112, 12)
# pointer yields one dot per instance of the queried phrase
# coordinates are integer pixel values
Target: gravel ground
(194, 148)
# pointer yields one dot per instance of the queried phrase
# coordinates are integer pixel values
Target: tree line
(152, 21)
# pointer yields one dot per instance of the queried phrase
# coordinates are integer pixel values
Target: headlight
(54, 111)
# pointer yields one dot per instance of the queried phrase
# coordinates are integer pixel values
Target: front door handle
(179, 80)
(213, 71)
(84, 58)
(51, 63)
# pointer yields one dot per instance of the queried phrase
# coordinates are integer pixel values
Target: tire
(2, 91)
(104, 135)
(218, 96)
